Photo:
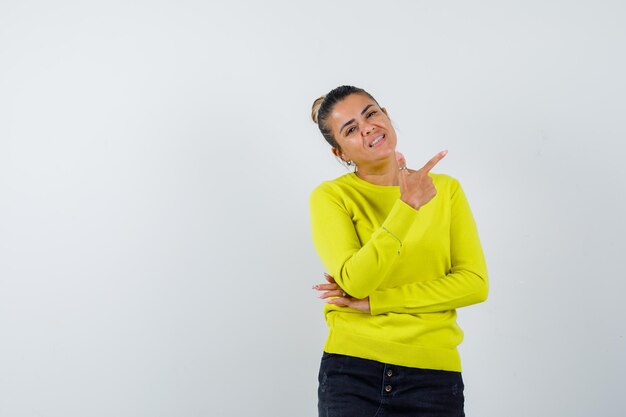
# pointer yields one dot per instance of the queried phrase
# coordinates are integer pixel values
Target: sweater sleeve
(357, 268)
(465, 284)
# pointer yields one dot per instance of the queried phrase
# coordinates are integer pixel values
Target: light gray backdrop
(156, 160)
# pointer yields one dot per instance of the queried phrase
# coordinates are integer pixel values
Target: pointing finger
(434, 160)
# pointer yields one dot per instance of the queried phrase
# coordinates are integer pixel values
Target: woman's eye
(350, 130)
(370, 114)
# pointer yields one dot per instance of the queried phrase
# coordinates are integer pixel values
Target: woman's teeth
(375, 141)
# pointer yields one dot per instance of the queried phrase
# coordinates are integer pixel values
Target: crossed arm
(357, 276)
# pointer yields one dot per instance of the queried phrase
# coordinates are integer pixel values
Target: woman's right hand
(416, 187)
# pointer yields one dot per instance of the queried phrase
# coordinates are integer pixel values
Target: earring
(349, 163)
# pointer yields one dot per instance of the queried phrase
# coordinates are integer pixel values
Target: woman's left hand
(332, 289)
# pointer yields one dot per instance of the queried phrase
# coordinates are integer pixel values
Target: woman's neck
(386, 174)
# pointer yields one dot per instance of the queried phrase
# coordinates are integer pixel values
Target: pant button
(389, 372)
(388, 388)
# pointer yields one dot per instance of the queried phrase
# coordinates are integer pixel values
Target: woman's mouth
(377, 140)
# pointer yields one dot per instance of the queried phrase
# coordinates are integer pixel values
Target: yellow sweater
(416, 267)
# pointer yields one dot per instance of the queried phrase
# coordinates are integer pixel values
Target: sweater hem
(412, 356)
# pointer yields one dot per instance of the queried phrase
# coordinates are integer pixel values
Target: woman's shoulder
(335, 184)
(444, 180)
(334, 187)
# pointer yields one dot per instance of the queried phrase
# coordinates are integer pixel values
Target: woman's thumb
(400, 159)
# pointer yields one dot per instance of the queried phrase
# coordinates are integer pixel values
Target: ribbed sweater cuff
(380, 302)
(399, 220)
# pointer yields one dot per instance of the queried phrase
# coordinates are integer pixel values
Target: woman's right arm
(357, 269)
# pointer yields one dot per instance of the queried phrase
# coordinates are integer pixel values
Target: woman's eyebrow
(346, 124)
(365, 109)
(352, 120)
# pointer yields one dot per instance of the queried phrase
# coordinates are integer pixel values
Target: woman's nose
(367, 129)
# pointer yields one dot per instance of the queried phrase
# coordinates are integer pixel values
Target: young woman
(403, 254)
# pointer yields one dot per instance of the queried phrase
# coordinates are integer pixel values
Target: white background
(156, 160)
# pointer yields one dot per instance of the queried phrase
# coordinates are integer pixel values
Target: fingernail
(315, 287)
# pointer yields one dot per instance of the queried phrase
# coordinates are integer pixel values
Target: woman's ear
(337, 152)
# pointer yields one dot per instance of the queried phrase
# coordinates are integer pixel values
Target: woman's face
(363, 131)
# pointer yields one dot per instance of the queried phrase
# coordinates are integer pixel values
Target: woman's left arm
(465, 284)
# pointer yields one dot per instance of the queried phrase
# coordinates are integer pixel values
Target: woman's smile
(378, 140)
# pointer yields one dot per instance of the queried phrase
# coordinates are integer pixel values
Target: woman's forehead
(352, 106)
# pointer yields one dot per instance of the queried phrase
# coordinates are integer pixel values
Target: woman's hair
(324, 105)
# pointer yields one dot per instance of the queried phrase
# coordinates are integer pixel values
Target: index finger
(433, 161)
(326, 287)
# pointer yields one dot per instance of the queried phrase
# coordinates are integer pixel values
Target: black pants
(355, 387)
